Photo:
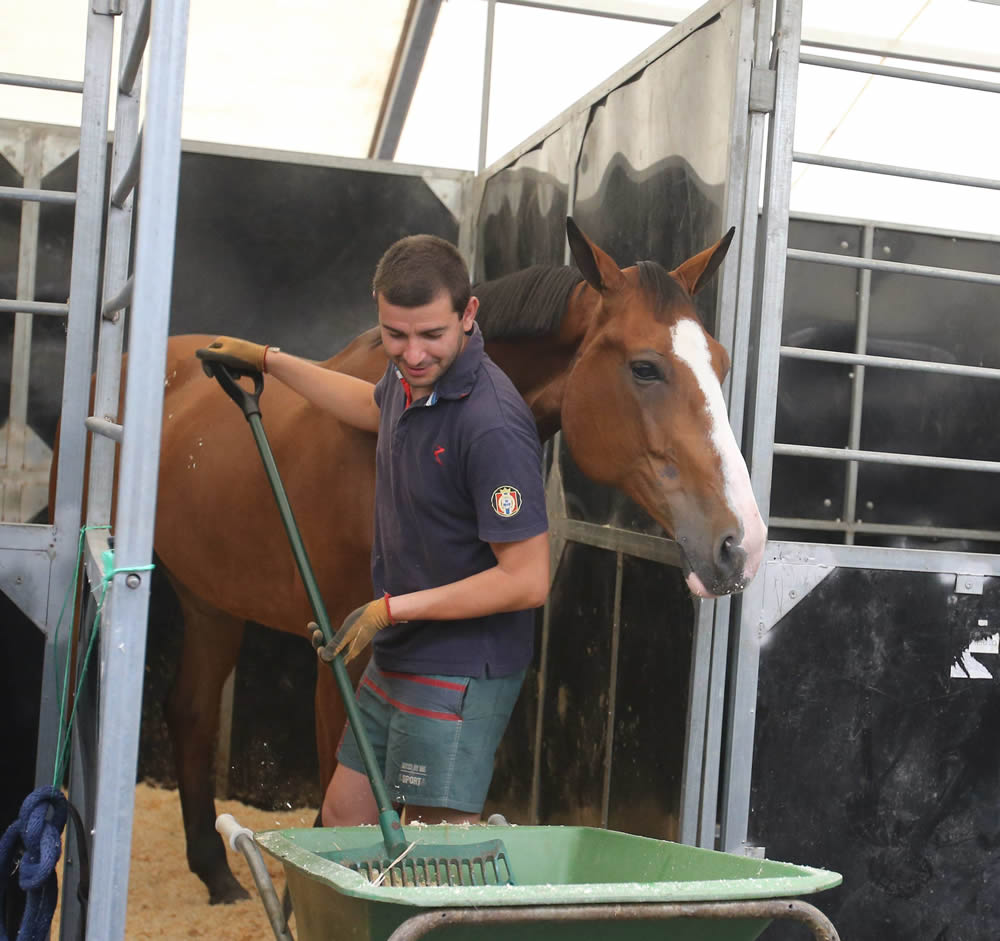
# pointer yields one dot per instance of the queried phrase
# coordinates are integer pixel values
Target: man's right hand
(235, 353)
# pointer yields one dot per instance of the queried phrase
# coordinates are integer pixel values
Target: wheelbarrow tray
(553, 866)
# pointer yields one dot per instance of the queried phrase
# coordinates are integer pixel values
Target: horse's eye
(645, 371)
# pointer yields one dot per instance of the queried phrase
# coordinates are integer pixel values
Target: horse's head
(643, 410)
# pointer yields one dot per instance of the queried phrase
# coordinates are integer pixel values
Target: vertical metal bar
(123, 633)
(734, 213)
(777, 192)
(706, 699)
(84, 277)
(716, 706)
(27, 265)
(747, 237)
(850, 507)
(116, 263)
(609, 729)
(694, 742)
(484, 112)
(542, 685)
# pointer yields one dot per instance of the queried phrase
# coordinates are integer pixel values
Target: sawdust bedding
(167, 901)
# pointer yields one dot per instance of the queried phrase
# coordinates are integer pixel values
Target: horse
(617, 359)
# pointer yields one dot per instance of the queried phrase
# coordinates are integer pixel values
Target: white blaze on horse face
(691, 347)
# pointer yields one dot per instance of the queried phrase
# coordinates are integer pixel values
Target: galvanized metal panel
(522, 216)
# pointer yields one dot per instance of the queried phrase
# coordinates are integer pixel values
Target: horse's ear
(595, 265)
(696, 272)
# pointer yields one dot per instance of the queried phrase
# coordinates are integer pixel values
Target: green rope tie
(110, 571)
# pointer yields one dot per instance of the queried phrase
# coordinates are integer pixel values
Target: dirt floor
(166, 901)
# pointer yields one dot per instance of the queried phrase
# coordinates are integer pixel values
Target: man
(460, 555)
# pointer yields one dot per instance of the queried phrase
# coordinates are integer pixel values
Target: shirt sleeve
(504, 468)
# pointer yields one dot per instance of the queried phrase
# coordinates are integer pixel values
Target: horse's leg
(211, 647)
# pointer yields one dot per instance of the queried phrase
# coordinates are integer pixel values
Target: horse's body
(628, 374)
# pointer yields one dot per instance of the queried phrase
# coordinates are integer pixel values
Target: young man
(460, 555)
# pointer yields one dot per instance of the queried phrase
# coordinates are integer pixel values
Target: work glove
(356, 633)
(236, 353)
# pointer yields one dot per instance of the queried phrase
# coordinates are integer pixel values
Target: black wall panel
(876, 754)
(654, 668)
(574, 740)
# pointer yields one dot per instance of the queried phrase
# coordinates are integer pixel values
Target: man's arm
(348, 398)
(519, 580)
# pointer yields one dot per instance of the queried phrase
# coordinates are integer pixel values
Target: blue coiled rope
(37, 835)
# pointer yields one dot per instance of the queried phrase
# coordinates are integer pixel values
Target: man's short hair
(416, 269)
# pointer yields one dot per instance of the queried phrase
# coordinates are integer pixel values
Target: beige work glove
(356, 633)
(236, 353)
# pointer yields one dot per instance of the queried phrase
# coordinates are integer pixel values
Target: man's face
(424, 341)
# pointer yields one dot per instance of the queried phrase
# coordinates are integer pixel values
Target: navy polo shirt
(454, 471)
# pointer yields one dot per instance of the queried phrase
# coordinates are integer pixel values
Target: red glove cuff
(388, 610)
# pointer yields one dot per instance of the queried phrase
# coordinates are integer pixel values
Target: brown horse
(626, 371)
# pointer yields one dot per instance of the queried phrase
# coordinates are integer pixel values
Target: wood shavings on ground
(166, 901)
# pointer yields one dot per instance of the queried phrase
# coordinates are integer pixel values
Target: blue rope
(37, 833)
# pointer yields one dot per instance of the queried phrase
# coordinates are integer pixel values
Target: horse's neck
(539, 366)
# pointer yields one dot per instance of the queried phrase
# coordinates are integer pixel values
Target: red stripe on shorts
(412, 710)
(426, 680)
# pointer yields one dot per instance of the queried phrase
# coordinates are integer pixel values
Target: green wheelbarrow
(579, 883)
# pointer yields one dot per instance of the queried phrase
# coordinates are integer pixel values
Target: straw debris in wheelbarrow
(397, 861)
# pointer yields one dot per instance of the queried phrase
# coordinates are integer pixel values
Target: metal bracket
(450, 193)
(785, 585)
(969, 584)
(107, 7)
(763, 85)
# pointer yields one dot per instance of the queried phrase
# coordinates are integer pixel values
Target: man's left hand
(356, 633)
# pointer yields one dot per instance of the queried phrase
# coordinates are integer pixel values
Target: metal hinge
(763, 83)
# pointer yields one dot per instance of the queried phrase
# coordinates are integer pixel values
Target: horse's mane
(526, 303)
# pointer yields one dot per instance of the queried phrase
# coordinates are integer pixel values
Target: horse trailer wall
(618, 726)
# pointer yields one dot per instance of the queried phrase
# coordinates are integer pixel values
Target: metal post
(123, 632)
(849, 512)
(777, 191)
(484, 112)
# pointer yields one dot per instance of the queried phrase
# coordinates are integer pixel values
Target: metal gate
(857, 733)
(38, 561)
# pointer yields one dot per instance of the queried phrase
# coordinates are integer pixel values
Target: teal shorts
(434, 736)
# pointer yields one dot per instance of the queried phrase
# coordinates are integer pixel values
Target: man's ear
(468, 316)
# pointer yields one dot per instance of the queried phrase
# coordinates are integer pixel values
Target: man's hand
(356, 633)
(235, 353)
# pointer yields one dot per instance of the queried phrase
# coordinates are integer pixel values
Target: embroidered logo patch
(506, 501)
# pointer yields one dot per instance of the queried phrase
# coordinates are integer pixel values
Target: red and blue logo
(506, 501)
